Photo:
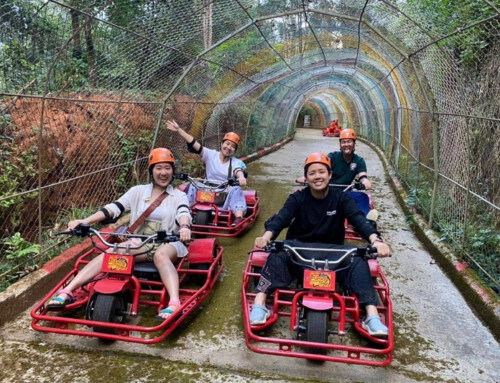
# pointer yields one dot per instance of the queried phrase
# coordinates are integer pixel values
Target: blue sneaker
(259, 314)
(374, 326)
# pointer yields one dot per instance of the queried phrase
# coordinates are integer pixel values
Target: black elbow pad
(191, 149)
(108, 218)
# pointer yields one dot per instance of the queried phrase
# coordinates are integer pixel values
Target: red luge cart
(209, 219)
(122, 302)
(333, 130)
(313, 320)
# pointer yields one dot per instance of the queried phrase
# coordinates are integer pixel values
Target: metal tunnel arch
(419, 83)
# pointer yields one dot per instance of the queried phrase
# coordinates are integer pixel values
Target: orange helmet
(160, 155)
(233, 137)
(347, 134)
(318, 157)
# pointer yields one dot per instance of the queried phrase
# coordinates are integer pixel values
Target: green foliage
(67, 215)
(241, 47)
(472, 234)
(29, 40)
(16, 247)
(257, 137)
(16, 170)
(131, 148)
(17, 259)
(192, 166)
(448, 16)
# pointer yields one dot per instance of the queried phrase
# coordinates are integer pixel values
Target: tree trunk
(77, 46)
(90, 51)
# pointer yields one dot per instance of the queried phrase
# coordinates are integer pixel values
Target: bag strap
(230, 168)
(147, 212)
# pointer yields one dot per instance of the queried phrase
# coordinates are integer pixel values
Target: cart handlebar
(205, 184)
(366, 252)
(84, 230)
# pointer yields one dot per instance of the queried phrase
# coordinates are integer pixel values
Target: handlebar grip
(181, 176)
(276, 245)
(371, 252)
(82, 230)
(359, 185)
(162, 236)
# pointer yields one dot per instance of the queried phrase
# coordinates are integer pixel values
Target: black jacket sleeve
(284, 217)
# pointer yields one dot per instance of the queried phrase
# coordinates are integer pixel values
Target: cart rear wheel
(203, 217)
(199, 278)
(317, 329)
(107, 308)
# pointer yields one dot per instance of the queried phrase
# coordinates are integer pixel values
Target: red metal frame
(146, 293)
(345, 319)
(221, 226)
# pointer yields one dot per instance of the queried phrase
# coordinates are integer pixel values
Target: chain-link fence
(87, 86)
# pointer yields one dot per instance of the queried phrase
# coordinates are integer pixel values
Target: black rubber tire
(203, 217)
(107, 308)
(317, 329)
(199, 278)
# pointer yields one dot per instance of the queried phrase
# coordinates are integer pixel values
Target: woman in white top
(220, 166)
(172, 215)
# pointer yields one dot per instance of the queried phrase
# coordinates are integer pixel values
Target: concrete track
(438, 337)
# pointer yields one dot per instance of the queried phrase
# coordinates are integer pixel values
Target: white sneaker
(374, 326)
(372, 215)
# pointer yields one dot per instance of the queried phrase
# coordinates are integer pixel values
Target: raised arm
(193, 145)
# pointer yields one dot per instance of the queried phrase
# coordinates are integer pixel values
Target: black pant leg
(278, 272)
(357, 278)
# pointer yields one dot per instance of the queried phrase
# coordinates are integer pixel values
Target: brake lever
(368, 252)
(162, 236)
(359, 185)
(181, 176)
(233, 182)
(82, 230)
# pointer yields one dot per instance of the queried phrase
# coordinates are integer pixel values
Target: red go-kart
(313, 320)
(208, 216)
(121, 303)
(333, 130)
(330, 133)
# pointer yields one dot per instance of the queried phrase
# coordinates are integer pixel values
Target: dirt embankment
(48, 142)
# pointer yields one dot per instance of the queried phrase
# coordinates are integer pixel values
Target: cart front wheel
(107, 308)
(317, 329)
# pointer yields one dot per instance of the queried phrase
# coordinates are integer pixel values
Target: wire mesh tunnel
(87, 86)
